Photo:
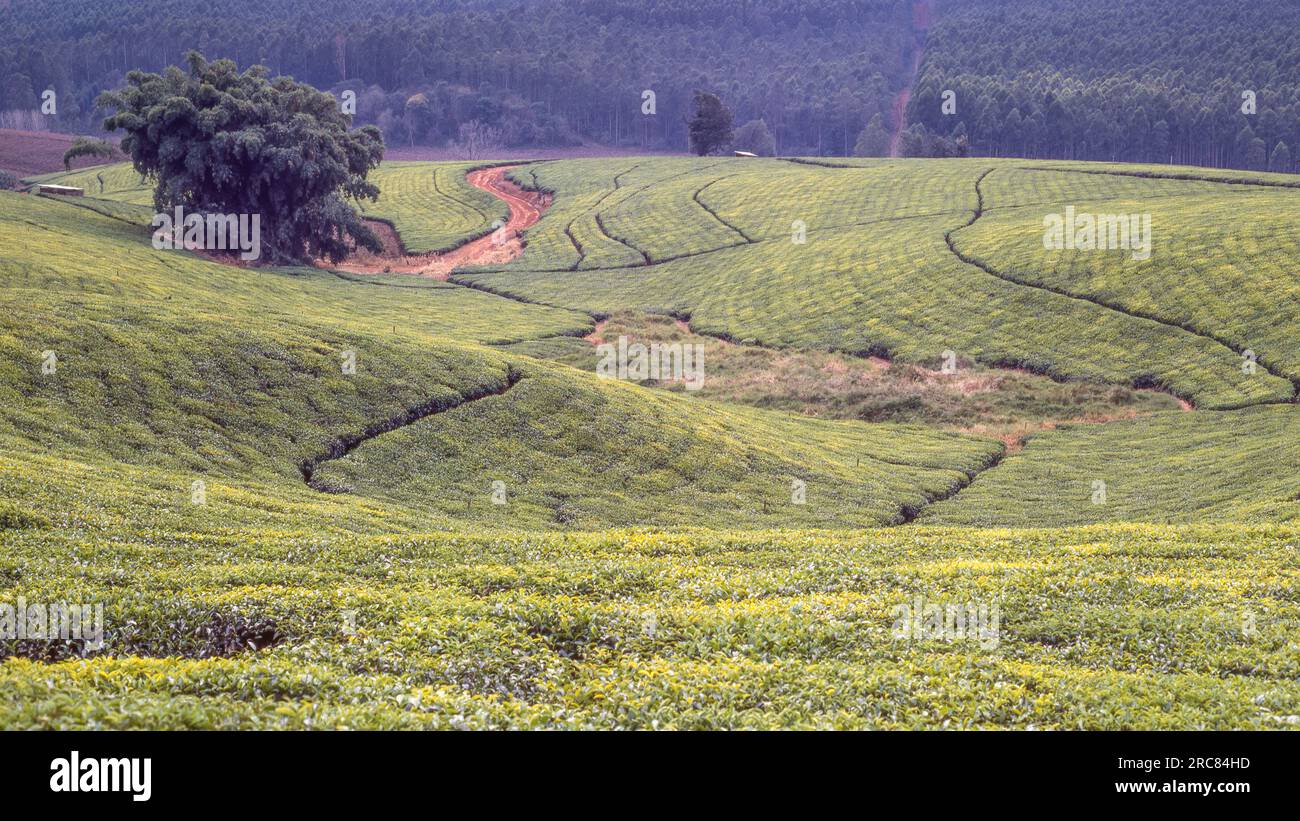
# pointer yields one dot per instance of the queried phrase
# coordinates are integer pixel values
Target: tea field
(316, 499)
(869, 258)
(1116, 627)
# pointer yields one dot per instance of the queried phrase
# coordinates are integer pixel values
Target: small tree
(755, 137)
(82, 147)
(873, 141)
(710, 128)
(476, 139)
(220, 142)
(416, 116)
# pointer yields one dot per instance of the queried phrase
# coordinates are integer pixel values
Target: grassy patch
(990, 401)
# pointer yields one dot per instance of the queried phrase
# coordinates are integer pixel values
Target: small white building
(61, 190)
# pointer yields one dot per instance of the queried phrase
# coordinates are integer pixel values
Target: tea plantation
(316, 499)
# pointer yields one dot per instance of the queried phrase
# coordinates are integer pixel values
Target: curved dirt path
(500, 246)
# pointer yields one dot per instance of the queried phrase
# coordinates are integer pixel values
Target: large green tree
(711, 126)
(220, 141)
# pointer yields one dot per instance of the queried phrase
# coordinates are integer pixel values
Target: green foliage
(710, 127)
(431, 205)
(1280, 160)
(873, 141)
(1103, 628)
(596, 57)
(577, 452)
(82, 147)
(1172, 467)
(121, 183)
(1220, 265)
(13, 517)
(1149, 81)
(412, 600)
(218, 141)
(989, 401)
(878, 274)
(755, 137)
(235, 375)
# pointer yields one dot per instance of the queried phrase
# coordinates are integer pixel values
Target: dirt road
(500, 246)
(901, 100)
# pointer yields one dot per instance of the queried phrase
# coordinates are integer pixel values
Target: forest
(1195, 82)
(545, 73)
(1181, 81)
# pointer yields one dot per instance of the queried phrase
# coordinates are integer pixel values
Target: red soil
(597, 335)
(901, 99)
(28, 153)
(500, 246)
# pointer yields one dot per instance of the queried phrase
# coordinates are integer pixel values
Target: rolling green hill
(883, 268)
(180, 363)
(468, 532)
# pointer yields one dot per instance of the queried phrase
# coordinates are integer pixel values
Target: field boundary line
(696, 196)
(689, 255)
(1191, 330)
(600, 223)
(343, 445)
(568, 229)
(910, 513)
(1164, 175)
(1003, 208)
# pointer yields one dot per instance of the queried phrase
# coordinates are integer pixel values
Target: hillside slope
(867, 257)
(458, 534)
(903, 258)
(203, 371)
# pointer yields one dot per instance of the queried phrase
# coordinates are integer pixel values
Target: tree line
(543, 73)
(1172, 81)
(1183, 81)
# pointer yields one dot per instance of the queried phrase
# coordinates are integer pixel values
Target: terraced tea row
(1237, 466)
(432, 206)
(1220, 265)
(1122, 627)
(225, 374)
(857, 258)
